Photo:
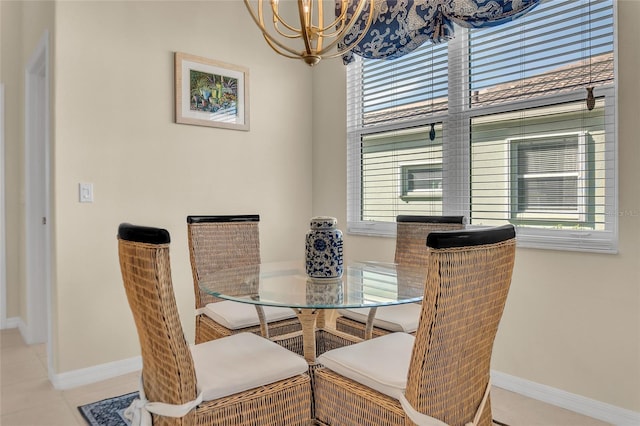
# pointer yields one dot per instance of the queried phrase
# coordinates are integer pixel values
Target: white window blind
(416, 85)
(493, 125)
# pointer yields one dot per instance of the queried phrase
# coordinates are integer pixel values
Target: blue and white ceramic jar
(324, 248)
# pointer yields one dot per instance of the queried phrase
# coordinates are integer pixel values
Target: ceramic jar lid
(323, 222)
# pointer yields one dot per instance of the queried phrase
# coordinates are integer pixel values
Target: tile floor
(28, 399)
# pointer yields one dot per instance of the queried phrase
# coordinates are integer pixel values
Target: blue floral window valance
(400, 26)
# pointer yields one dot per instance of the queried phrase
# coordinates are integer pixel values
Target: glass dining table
(363, 284)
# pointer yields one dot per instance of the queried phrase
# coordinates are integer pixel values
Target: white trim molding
(3, 261)
(563, 399)
(12, 322)
(97, 373)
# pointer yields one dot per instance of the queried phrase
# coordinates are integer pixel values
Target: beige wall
(572, 320)
(114, 128)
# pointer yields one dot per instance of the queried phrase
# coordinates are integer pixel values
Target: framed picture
(211, 93)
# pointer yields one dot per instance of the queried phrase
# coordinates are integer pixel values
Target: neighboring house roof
(595, 72)
(585, 73)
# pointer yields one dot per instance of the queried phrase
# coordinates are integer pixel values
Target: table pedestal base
(307, 318)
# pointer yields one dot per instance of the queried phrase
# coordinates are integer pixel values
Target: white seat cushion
(236, 315)
(393, 318)
(381, 363)
(240, 362)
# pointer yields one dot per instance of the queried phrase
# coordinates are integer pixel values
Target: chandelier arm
(278, 19)
(319, 30)
(272, 41)
(295, 32)
(304, 26)
(351, 24)
(338, 23)
(259, 21)
(292, 54)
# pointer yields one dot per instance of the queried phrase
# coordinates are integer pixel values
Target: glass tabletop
(286, 284)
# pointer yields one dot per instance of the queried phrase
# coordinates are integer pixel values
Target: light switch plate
(86, 192)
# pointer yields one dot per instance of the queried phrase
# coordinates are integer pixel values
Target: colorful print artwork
(213, 93)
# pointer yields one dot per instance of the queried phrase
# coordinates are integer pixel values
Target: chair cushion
(240, 362)
(236, 315)
(393, 318)
(381, 363)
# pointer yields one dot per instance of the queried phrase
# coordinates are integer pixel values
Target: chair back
(219, 242)
(167, 366)
(411, 237)
(468, 278)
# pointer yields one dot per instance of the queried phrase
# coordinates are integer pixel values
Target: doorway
(37, 197)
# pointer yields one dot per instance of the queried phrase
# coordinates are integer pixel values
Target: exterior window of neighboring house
(493, 125)
(422, 180)
(548, 177)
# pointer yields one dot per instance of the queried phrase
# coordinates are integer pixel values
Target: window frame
(456, 180)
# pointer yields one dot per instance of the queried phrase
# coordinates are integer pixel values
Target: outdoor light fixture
(307, 22)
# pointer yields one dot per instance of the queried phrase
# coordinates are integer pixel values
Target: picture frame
(211, 93)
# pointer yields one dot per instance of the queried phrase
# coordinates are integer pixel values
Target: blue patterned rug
(108, 412)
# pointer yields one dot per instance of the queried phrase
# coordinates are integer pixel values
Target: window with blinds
(546, 177)
(493, 125)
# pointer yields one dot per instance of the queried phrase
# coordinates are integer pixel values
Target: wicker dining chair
(411, 249)
(242, 379)
(442, 371)
(219, 242)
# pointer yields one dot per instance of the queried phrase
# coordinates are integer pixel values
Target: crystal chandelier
(307, 22)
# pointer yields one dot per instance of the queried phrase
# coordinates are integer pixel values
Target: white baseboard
(576, 403)
(85, 376)
(10, 323)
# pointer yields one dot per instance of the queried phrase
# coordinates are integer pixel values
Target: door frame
(38, 244)
(3, 239)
